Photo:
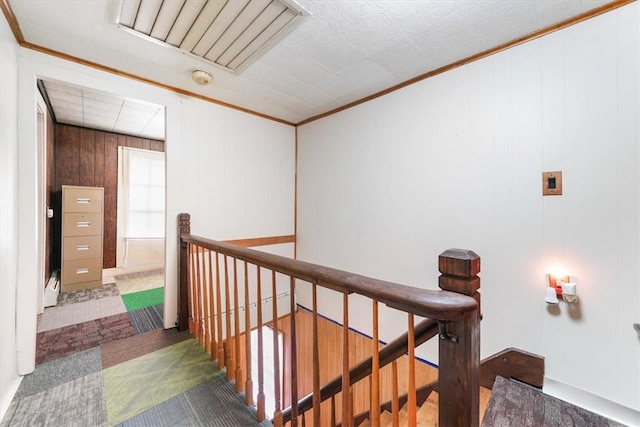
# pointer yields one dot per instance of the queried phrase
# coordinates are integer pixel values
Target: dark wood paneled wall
(90, 157)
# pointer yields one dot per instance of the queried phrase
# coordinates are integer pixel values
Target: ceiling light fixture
(201, 77)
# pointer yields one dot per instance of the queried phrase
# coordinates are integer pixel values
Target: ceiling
(343, 51)
(75, 105)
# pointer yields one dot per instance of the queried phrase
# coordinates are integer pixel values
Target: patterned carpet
(101, 365)
(516, 404)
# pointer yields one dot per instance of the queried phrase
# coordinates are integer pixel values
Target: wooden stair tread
(403, 416)
(427, 414)
(485, 395)
(386, 419)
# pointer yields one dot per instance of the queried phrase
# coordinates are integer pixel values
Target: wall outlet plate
(552, 183)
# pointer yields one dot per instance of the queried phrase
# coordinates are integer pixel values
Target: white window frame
(123, 235)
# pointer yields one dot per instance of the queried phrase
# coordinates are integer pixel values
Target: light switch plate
(552, 183)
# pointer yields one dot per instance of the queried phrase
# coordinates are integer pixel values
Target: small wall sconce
(560, 287)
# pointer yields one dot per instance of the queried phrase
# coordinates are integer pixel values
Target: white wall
(237, 163)
(238, 172)
(9, 379)
(456, 161)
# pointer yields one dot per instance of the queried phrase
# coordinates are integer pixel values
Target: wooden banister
(444, 306)
(452, 313)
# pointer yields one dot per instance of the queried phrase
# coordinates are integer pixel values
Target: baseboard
(599, 405)
(7, 396)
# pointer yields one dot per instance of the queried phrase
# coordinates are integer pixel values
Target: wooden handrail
(424, 331)
(440, 305)
(452, 313)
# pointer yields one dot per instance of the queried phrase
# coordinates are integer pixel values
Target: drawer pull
(83, 223)
(82, 248)
(82, 270)
(83, 201)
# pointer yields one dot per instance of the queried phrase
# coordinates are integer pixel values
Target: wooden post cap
(459, 262)
(459, 268)
(184, 219)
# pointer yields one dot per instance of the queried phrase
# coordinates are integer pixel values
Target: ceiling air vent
(227, 33)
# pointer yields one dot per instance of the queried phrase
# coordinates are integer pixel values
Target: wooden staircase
(510, 363)
(427, 415)
(214, 275)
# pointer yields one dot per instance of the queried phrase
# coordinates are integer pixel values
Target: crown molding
(513, 43)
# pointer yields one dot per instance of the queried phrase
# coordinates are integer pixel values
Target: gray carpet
(81, 295)
(139, 274)
(79, 402)
(70, 391)
(213, 403)
(146, 319)
(514, 404)
(60, 371)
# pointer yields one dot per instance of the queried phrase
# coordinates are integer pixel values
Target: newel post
(459, 343)
(184, 227)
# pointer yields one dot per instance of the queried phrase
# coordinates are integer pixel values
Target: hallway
(103, 359)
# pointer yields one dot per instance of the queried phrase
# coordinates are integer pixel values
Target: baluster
(351, 405)
(375, 370)
(260, 408)
(192, 292)
(277, 415)
(205, 305)
(333, 411)
(228, 339)
(247, 337)
(411, 393)
(316, 360)
(294, 355)
(346, 395)
(221, 361)
(199, 329)
(395, 404)
(236, 321)
(212, 311)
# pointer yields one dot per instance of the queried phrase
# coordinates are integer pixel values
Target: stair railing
(210, 277)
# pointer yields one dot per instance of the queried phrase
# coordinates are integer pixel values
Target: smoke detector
(201, 77)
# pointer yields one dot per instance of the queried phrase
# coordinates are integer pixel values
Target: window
(143, 193)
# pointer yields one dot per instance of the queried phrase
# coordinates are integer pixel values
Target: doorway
(89, 126)
(43, 135)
